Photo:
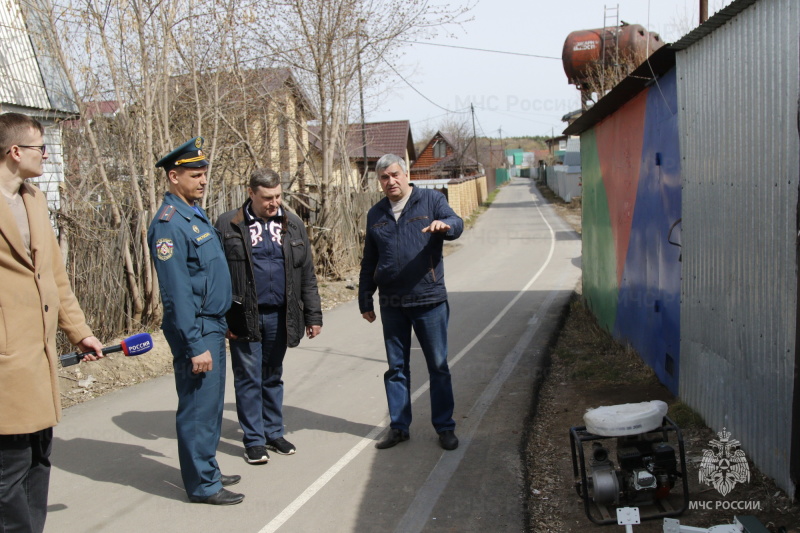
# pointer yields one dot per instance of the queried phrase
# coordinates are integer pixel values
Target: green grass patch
(684, 416)
(470, 220)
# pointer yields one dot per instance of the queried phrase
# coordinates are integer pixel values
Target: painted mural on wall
(631, 202)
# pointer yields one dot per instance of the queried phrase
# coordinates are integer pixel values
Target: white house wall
(50, 181)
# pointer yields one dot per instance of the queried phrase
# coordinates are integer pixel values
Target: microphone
(133, 345)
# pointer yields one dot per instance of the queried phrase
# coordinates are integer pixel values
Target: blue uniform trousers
(198, 421)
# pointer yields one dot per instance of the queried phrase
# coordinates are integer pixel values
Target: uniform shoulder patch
(164, 248)
(165, 215)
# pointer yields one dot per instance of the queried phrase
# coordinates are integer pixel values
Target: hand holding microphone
(133, 345)
(91, 344)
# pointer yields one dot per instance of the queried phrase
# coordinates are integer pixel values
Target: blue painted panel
(648, 309)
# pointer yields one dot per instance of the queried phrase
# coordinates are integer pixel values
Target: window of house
(439, 150)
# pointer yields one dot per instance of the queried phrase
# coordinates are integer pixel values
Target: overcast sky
(520, 95)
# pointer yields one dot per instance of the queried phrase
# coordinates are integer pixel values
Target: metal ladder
(610, 35)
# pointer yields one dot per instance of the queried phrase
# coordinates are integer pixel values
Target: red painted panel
(619, 147)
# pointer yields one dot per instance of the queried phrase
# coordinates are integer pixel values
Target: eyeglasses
(42, 148)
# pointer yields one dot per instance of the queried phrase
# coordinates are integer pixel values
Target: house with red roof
(444, 158)
(445, 166)
(365, 145)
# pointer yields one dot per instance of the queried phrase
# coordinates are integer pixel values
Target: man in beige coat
(35, 299)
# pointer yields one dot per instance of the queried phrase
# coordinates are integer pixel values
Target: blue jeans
(24, 480)
(430, 326)
(257, 377)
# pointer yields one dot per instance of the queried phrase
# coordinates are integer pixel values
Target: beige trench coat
(35, 298)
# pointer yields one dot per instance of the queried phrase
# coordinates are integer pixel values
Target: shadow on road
(304, 419)
(113, 462)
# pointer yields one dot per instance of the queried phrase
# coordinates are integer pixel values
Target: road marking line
(419, 511)
(323, 480)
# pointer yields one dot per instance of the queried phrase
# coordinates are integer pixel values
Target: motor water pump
(648, 463)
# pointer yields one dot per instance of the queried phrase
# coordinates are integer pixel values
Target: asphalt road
(115, 458)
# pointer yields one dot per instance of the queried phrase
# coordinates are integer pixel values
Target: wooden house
(444, 158)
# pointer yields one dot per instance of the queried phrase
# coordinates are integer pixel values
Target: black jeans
(24, 481)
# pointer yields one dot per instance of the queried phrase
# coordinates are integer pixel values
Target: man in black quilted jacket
(403, 262)
(275, 301)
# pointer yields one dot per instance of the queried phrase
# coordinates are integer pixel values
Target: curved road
(115, 458)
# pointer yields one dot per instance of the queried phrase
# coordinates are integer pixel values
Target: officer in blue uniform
(196, 292)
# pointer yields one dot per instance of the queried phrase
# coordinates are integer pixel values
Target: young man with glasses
(36, 299)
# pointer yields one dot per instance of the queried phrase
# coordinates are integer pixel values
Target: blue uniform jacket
(405, 264)
(192, 272)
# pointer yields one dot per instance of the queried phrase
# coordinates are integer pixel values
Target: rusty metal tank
(584, 47)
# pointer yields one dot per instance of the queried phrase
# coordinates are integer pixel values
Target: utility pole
(703, 11)
(502, 147)
(475, 137)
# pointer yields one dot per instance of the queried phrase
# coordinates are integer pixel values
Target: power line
(417, 90)
(482, 50)
(428, 119)
(483, 131)
(516, 116)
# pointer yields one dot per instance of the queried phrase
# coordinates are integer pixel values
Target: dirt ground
(587, 369)
(88, 380)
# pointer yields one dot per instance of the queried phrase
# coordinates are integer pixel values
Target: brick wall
(465, 195)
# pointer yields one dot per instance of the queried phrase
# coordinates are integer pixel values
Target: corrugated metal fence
(738, 92)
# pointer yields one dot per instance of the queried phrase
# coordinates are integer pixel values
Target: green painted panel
(501, 176)
(599, 257)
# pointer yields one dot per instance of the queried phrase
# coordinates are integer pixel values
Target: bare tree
(459, 130)
(327, 42)
(121, 58)
(601, 77)
(148, 74)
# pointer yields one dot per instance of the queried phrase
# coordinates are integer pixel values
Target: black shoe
(393, 438)
(281, 446)
(223, 497)
(227, 481)
(448, 440)
(256, 455)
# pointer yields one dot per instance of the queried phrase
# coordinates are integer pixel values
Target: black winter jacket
(402, 262)
(303, 306)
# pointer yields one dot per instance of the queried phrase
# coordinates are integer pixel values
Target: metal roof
(30, 76)
(717, 20)
(391, 137)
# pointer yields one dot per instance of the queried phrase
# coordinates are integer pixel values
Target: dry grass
(588, 368)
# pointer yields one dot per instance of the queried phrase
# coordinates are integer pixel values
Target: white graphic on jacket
(257, 230)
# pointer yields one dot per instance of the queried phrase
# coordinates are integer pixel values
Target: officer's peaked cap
(190, 154)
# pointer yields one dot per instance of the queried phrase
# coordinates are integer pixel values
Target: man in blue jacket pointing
(403, 261)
